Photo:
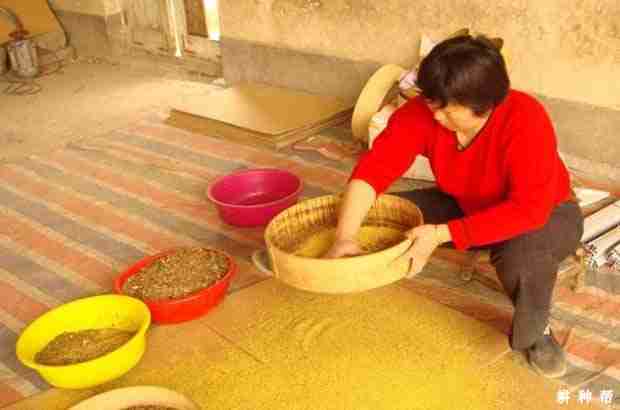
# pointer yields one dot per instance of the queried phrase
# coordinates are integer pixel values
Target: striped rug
(72, 219)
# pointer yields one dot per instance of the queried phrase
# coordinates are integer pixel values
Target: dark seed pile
(77, 347)
(178, 275)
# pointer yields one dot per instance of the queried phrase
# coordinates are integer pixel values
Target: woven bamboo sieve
(343, 275)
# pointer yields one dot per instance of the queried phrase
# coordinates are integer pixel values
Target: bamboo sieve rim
(360, 257)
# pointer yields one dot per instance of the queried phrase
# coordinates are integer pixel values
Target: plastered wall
(559, 48)
(92, 7)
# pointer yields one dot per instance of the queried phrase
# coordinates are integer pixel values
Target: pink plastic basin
(253, 197)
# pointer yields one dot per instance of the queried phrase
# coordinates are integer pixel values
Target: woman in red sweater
(501, 184)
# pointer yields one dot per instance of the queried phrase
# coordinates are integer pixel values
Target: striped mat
(72, 219)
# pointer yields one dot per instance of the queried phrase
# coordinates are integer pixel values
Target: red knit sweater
(507, 181)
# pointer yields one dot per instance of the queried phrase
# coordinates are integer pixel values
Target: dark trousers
(526, 265)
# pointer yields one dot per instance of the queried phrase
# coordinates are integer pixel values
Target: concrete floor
(88, 97)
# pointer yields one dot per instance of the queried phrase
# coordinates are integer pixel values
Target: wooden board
(222, 130)
(36, 16)
(196, 18)
(148, 24)
(265, 109)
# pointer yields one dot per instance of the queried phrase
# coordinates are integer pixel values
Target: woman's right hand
(343, 247)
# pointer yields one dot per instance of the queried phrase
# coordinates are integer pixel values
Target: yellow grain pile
(370, 238)
(270, 347)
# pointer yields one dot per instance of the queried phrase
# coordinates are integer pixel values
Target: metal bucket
(23, 56)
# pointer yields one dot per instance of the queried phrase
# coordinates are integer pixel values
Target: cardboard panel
(265, 109)
(218, 129)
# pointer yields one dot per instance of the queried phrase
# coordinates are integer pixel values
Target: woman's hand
(426, 238)
(343, 247)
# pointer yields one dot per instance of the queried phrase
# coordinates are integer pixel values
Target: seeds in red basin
(178, 275)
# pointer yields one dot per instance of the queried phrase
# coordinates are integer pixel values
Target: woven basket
(343, 275)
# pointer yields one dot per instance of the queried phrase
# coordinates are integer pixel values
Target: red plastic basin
(166, 311)
(253, 197)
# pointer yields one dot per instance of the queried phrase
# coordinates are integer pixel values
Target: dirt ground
(87, 97)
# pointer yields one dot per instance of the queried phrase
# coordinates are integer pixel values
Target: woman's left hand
(426, 238)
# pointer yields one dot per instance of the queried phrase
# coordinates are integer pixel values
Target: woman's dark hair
(466, 70)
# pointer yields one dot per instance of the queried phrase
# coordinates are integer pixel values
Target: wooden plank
(477, 266)
(195, 18)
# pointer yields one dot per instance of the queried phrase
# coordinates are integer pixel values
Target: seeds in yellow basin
(77, 347)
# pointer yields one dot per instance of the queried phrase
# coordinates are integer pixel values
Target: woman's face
(456, 117)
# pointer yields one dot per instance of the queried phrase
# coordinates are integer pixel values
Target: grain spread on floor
(273, 347)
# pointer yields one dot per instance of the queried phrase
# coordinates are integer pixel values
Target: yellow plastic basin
(97, 312)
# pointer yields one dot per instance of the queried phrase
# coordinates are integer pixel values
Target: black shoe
(547, 357)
